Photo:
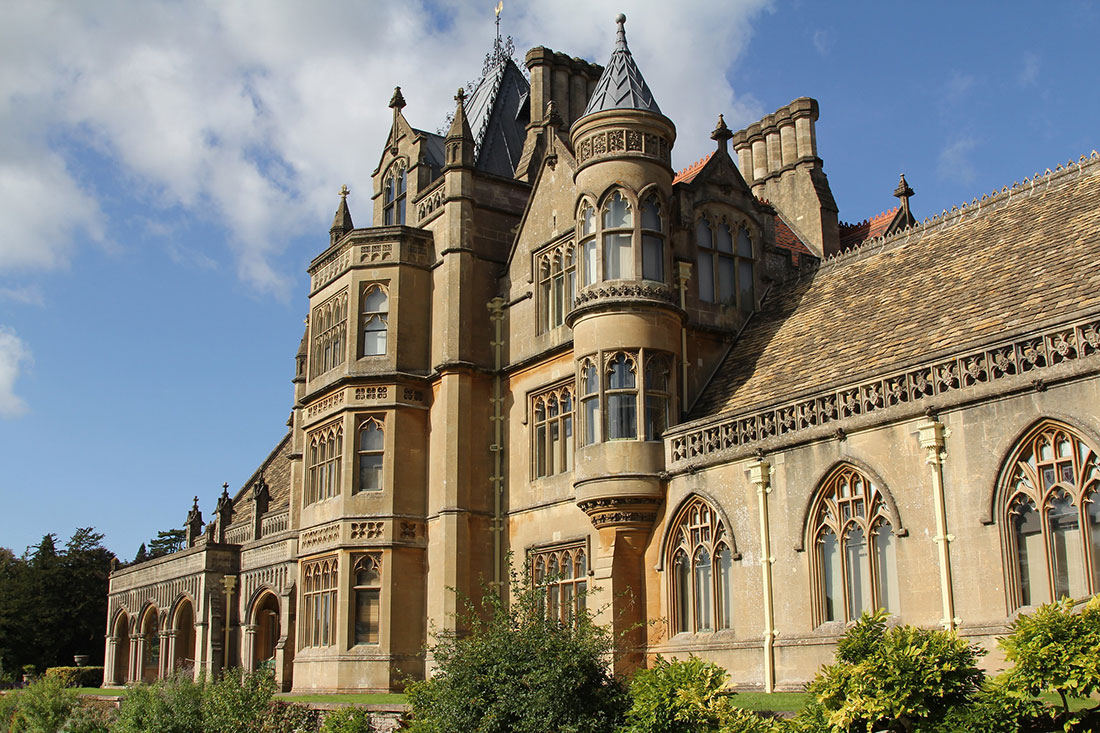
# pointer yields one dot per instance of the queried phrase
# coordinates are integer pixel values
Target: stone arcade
(697, 398)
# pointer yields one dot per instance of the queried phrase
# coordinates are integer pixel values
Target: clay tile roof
(687, 175)
(852, 234)
(787, 239)
(1017, 260)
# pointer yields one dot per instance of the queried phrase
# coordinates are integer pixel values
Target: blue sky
(168, 169)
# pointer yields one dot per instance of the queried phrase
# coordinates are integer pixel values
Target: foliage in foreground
(688, 696)
(901, 678)
(518, 671)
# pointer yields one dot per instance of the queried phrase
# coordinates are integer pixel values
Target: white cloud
(24, 295)
(822, 41)
(1029, 74)
(253, 113)
(14, 355)
(958, 85)
(954, 162)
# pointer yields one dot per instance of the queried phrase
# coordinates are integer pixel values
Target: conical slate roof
(621, 86)
(497, 116)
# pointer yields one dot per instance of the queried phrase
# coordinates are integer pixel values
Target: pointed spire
(460, 140)
(721, 133)
(341, 223)
(397, 101)
(621, 86)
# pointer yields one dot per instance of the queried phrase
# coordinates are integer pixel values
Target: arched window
(854, 548)
(700, 558)
(590, 402)
(561, 576)
(326, 448)
(368, 598)
(653, 240)
(393, 195)
(330, 321)
(553, 445)
(587, 228)
(557, 286)
(1051, 490)
(725, 268)
(318, 620)
(622, 397)
(150, 634)
(618, 231)
(657, 396)
(371, 454)
(376, 316)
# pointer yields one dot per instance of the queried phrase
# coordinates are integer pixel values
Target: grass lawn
(364, 698)
(771, 701)
(110, 692)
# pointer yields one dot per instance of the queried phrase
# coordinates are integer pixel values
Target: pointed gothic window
(725, 268)
(560, 576)
(855, 557)
(653, 240)
(618, 258)
(367, 593)
(700, 561)
(553, 434)
(1051, 488)
(590, 402)
(657, 395)
(588, 244)
(557, 286)
(326, 447)
(371, 454)
(376, 316)
(622, 397)
(634, 403)
(393, 195)
(318, 605)
(330, 322)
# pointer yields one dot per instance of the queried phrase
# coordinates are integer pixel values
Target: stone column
(137, 648)
(248, 648)
(167, 649)
(109, 660)
(202, 650)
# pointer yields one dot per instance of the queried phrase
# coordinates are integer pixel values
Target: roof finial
(903, 192)
(721, 133)
(344, 192)
(397, 101)
(500, 7)
(620, 36)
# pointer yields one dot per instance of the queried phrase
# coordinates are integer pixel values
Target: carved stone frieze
(618, 141)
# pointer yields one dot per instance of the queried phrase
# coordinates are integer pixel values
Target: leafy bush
(44, 706)
(172, 705)
(898, 679)
(347, 720)
(995, 710)
(518, 671)
(90, 718)
(675, 697)
(9, 708)
(282, 717)
(1055, 650)
(77, 676)
(236, 701)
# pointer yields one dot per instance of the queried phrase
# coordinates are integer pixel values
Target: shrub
(675, 697)
(347, 720)
(1055, 650)
(896, 679)
(995, 710)
(173, 705)
(44, 706)
(236, 701)
(90, 718)
(9, 707)
(282, 717)
(77, 676)
(518, 671)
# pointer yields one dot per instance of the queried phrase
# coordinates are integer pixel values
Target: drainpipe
(683, 272)
(932, 433)
(496, 315)
(760, 477)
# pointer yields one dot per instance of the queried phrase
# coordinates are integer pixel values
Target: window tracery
(329, 323)
(367, 592)
(557, 285)
(376, 316)
(700, 561)
(371, 454)
(553, 431)
(855, 554)
(326, 447)
(318, 620)
(631, 235)
(393, 194)
(561, 577)
(621, 391)
(1052, 516)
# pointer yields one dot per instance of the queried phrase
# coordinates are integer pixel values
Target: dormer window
(725, 274)
(393, 195)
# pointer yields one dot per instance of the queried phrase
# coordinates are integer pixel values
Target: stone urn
(80, 660)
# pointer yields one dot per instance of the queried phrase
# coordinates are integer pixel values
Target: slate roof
(621, 85)
(276, 471)
(498, 117)
(1021, 258)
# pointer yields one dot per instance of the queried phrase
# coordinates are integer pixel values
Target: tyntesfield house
(695, 400)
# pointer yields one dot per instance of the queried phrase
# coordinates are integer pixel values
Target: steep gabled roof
(785, 238)
(1004, 265)
(852, 234)
(621, 85)
(687, 175)
(497, 114)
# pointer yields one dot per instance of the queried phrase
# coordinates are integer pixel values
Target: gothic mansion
(695, 398)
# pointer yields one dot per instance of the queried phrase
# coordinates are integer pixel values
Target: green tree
(900, 678)
(517, 671)
(142, 554)
(166, 542)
